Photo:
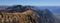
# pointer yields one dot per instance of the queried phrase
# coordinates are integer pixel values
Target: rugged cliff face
(26, 14)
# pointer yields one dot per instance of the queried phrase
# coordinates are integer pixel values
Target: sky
(31, 2)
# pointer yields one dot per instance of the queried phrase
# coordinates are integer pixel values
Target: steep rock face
(27, 14)
(47, 16)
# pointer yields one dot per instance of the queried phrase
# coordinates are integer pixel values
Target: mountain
(30, 14)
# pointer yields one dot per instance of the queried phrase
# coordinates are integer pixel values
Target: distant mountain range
(53, 9)
(4, 6)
